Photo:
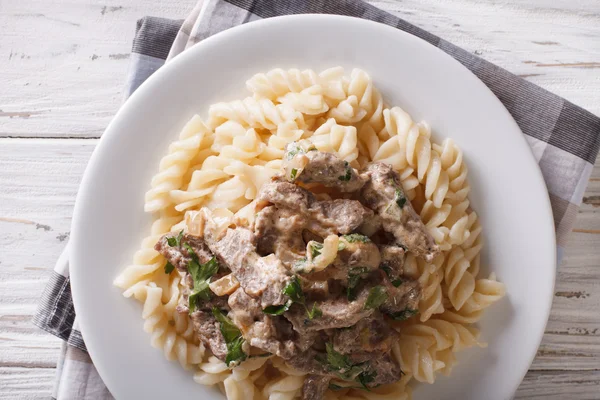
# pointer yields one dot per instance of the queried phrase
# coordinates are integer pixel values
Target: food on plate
(311, 242)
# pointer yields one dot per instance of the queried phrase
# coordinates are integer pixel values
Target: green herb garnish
(403, 315)
(341, 364)
(233, 338)
(377, 296)
(348, 176)
(293, 173)
(175, 241)
(366, 377)
(315, 250)
(400, 198)
(356, 237)
(278, 310)
(315, 312)
(169, 268)
(397, 282)
(354, 276)
(201, 274)
(294, 291)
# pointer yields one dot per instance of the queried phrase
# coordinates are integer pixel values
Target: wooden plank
(68, 82)
(26, 383)
(560, 385)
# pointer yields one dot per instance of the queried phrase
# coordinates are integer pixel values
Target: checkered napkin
(563, 137)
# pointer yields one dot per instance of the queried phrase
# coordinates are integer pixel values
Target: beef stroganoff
(311, 242)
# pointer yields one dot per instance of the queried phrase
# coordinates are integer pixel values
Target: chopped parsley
(397, 282)
(356, 237)
(315, 250)
(341, 246)
(233, 338)
(400, 199)
(169, 268)
(294, 291)
(354, 276)
(175, 241)
(345, 369)
(404, 314)
(348, 175)
(201, 274)
(278, 310)
(293, 173)
(315, 312)
(377, 296)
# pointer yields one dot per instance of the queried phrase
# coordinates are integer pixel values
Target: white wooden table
(62, 66)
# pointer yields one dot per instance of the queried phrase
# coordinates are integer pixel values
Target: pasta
(222, 164)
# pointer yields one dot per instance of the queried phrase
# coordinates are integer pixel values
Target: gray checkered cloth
(564, 139)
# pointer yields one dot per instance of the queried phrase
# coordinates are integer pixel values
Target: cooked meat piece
(370, 338)
(309, 362)
(385, 370)
(314, 387)
(178, 255)
(322, 217)
(259, 329)
(403, 298)
(383, 193)
(336, 313)
(208, 331)
(358, 253)
(260, 277)
(326, 169)
(279, 232)
(392, 260)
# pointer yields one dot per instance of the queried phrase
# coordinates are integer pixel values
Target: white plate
(508, 192)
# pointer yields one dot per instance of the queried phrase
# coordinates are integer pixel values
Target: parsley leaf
(169, 268)
(348, 176)
(356, 237)
(397, 282)
(315, 250)
(293, 173)
(337, 361)
(201, 274)
(354, 276)
(278, 310)
(233, 338)
(377, 296)
(175, 241)
(315, 312)
(403, 315)
(294, 291)
(366, 377)
(400, 198)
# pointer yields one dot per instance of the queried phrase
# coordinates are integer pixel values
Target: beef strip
(383, 193)
(392, 260)
(272, 334)
(367, 339)
(260, 277)
(320, 217)
(336, 313)
(386, 370)
(326, 169)
(178, 255)
(403, 298)
(209, 332)
(279, 232)
(315, 386)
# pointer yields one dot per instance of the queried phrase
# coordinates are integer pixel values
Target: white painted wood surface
(62, 65)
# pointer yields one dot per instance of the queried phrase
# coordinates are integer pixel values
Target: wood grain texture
(64, 62)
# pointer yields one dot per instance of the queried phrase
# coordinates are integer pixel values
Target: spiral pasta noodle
(222, 164)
